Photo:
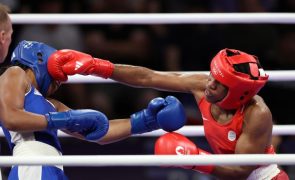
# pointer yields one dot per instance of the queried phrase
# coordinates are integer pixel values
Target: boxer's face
(5, 41)
(215, 91)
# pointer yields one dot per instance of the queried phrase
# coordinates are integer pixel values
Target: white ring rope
(194, 131)
(152, 160)
(199, 131)
(155, 18)
(149, 160)
(274, 75)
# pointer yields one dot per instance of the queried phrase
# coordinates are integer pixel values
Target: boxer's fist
(172, 116)
(69, 62)
(92, 124)
(176, 144)
(167, 114)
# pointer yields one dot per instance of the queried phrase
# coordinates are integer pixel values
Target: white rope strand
(149, 160)
(274, 76)
(156, 18)
(194, 131)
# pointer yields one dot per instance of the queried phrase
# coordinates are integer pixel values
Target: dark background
(188, 47)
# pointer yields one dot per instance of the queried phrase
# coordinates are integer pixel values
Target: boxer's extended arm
(69, 62)
(165, 111)
(13, 86)
(138, 76)
(255, 138)
(119, 129)
(167, 114)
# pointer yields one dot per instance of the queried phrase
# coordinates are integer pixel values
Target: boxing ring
(152, 160)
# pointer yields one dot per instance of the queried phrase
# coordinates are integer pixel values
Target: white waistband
(264, 172)
(35, 148)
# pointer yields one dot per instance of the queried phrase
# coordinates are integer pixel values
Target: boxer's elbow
(10, 120)
(11, 124)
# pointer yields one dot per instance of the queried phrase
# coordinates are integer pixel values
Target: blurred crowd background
(185, 47)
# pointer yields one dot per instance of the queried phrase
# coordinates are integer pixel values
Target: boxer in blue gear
(35, 55)
(31, 119)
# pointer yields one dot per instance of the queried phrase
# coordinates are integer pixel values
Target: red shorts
(281, 176)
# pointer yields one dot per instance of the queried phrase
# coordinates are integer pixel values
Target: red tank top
(223, 137)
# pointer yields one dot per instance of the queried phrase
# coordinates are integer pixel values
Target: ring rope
(149, 160)
(274, 75)
(152, 160)
(195, 131)
(154, 18)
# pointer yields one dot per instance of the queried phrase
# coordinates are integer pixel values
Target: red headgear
(241, 86)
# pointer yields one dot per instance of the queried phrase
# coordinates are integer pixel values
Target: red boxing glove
(69, 62)
(177, 144)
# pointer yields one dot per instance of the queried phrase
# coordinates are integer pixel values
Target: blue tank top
(35, 103)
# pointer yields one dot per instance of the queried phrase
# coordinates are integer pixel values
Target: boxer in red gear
(236, 119)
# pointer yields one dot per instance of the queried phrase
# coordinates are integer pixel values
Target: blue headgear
(35, 55)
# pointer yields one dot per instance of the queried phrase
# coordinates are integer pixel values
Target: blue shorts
(36, 173)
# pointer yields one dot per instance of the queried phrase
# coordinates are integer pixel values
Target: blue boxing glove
(167, 114)
(92, 124)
